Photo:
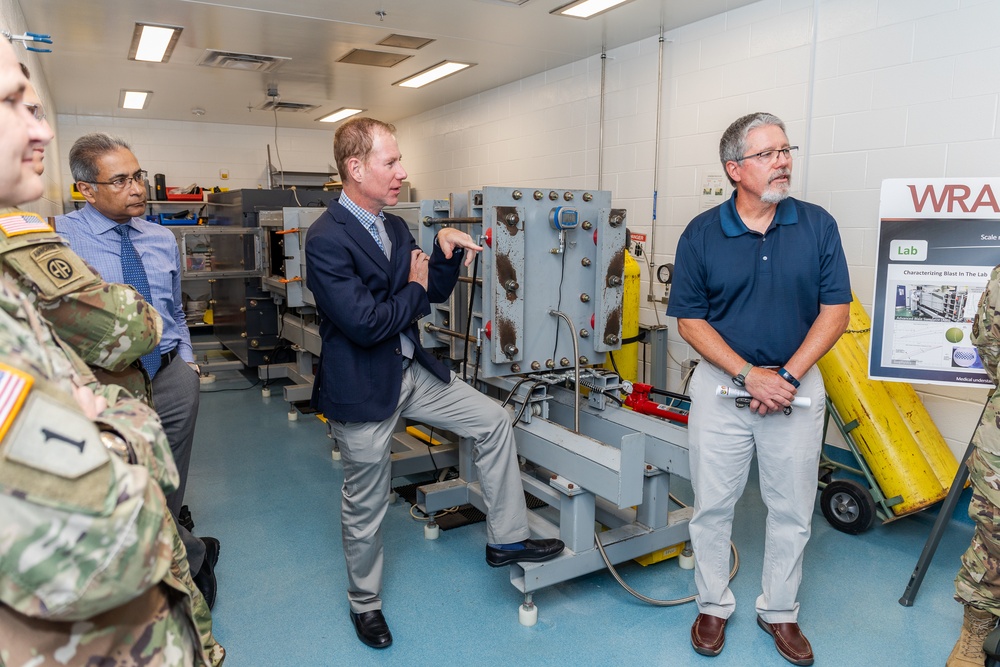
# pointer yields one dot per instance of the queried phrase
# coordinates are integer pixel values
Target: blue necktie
(135, 275)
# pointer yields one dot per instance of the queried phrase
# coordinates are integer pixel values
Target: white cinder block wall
(870, 89)
(194, 152)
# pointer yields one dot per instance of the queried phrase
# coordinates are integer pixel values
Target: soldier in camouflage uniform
(90, 563)
(91, 566)
(977, 585)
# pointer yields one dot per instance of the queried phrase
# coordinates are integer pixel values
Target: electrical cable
(511, 393)
(653, 601)
(611, 356)
(527, 400)
(277, 151)
(562, 275)
(430, 451)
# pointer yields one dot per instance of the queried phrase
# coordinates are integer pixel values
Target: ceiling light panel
(339, 115)
(585, 9)
(134, 99)
(439, 71)
(153, 43)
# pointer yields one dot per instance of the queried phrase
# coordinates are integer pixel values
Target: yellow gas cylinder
(882, 437)
(885, 435)
(923, 429)
(627, 358)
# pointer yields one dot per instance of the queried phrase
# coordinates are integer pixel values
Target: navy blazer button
(398, 351)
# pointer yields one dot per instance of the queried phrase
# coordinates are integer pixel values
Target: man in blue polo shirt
(761, 292)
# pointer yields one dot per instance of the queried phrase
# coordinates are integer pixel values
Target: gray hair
(87, 150)
(734, 140)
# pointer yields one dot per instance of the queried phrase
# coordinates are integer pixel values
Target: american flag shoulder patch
(14, 388)
(12, 224)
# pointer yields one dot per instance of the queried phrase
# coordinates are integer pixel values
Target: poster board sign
(938, 241)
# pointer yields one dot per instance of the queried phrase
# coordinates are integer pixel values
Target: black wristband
(740, 379)
(788, 377)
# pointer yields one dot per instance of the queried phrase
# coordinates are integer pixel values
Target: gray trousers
(176, 396)
(722, 440)
(365, 450)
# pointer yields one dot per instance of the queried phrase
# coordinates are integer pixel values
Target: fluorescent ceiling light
(439, 71)
(134, 99)
(340, 114)
(153, 43)
(584, 9)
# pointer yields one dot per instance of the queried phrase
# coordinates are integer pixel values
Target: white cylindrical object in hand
(733, 392)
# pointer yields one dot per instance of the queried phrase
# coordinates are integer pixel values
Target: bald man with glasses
(761, 292)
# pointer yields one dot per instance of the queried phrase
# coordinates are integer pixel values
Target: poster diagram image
(931, 325)
(935, 302)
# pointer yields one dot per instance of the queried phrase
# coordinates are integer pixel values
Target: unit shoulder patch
(48, 436)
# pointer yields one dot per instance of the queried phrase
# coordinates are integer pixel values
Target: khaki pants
(722, 440)
(365, 450)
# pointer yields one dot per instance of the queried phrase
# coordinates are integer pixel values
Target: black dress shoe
(205, 578)
(212, 548)
(534, 551)
(372, 628)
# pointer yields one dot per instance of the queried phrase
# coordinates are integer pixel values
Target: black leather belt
(167, 357)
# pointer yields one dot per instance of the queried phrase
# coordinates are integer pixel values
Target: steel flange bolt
(611, 339)
(616, 220)
(510, 350)
(614, 281)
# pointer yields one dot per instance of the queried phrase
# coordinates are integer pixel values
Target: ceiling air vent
(373, 58)
(248, 62)
(281, 105)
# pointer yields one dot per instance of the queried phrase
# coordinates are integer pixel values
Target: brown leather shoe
(708, 634)
(789, 640)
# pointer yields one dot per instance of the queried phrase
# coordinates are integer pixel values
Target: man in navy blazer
(372, 285)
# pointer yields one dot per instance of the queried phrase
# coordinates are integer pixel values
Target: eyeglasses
(37, 111)
(123, 182)
(766, 157)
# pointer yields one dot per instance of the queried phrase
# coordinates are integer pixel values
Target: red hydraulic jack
(639, 401)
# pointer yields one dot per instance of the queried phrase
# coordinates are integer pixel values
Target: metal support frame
(606, 475)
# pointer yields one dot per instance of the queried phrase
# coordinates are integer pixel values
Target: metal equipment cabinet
(246, 316)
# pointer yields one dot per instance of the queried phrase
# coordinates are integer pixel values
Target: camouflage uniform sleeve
(986, 338)
(139, 425)
(108, 325)
(83, 531)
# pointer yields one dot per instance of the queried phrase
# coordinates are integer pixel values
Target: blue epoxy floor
(268, 488)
